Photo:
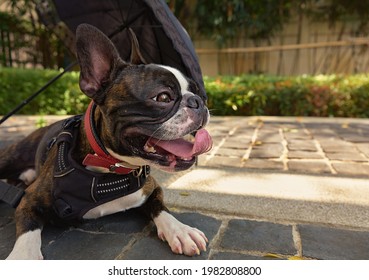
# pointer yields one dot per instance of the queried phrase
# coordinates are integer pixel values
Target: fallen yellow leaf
(272, 255)
(295, 258)
(184, 194)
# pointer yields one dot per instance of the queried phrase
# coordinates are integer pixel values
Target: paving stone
(354, 156)
(127, 222)
(324, 134)
(60, 242)
(267, 151)
(273, 137)
(299, 134)
(246, 123)
(244, 132)
(334, 144)
(354, 138)
(255, 163)
(364, 148)
(6, 214)
(301, 145)
(225, 161)
(241, 138)
(231, 152)
(7, 239)
(152, 248)
(50, 233)
(360, 127)
(80, 245)
(274, 126)
(218, 133)
(340, 149)
(258, 236)
(288, 126)
(202, 160)
(7, 230)
(238, 256)
(334, 244)
(217, 140)
(308, 167)
(237, 144)
(351, 169)
(303, 155)
(4, 220)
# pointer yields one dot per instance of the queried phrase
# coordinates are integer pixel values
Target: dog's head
(148, 111)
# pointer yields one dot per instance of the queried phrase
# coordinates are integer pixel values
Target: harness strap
(10, 194)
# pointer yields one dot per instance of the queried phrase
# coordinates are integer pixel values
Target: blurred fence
(341, 57)
(29, 50)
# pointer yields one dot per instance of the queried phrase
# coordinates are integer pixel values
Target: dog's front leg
(181, 238)
(27, 246)
(29, 220)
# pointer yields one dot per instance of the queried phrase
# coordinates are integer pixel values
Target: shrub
(322, 95)
(62, 97)
(245, 95)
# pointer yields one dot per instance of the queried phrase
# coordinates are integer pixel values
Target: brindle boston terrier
(98, 164)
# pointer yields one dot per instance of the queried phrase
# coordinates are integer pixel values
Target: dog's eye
(163, 97)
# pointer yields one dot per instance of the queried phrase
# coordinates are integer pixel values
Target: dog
(98, 163)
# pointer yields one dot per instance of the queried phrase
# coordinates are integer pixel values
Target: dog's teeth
(149, 149)
(189, 138)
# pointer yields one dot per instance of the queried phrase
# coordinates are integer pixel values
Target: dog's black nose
(194, 102)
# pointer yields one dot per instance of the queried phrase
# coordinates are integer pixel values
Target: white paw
(27, 247)
(181, 238)
(28, 176)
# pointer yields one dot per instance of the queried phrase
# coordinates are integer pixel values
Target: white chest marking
(132, 200)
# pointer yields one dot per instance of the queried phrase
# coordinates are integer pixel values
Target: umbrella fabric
(162, 38)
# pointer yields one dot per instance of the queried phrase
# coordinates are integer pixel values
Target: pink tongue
(185, 149)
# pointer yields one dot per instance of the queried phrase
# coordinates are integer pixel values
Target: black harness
(76, 189)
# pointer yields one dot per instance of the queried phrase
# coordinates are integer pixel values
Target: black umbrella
(161, 37)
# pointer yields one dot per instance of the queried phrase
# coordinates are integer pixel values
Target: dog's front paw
(27, 247)
(181, 238)
(16, 255)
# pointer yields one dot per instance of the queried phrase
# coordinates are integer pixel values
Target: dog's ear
(136, 56)
(98, 60)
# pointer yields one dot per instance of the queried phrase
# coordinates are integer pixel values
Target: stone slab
(334, 244)
(258, 236)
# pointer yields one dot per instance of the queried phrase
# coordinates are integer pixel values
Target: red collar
(102, 158)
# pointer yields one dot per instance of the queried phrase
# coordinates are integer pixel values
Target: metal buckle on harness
(145, 170)
(142, 170)
(112, 168)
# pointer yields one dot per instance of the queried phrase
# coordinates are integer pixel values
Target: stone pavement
(302, 145)
(271, 188)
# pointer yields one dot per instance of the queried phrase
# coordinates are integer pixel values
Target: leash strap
(11, 195)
